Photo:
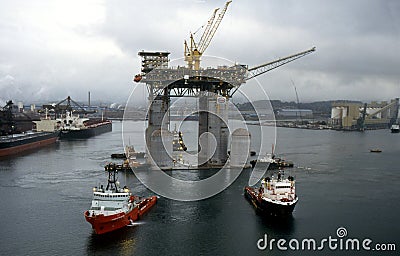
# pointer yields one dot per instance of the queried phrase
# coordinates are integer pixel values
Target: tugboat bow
(275, 196)
(114, 207)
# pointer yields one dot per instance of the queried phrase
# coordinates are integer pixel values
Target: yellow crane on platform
(194, 51)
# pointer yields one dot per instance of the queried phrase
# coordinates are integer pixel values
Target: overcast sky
(50, 49)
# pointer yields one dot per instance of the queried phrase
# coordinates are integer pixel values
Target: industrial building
(359, 116)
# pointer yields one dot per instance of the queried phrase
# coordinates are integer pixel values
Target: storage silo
(240, 148)
(336, 113)
(160, 149)
(20, 107)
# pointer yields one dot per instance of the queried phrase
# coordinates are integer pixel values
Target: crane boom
(394, 103)
(208, 27)
(264, 68)
(261, 69)
(203, 44)
(194, 51)
(298, 102)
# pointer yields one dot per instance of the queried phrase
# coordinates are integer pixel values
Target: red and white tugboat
(114, 207)
(275, 196)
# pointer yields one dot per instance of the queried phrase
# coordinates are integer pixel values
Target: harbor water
(340, 184)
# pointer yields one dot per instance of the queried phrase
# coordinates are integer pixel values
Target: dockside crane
(194, 51)
(361, 119)
(59, 108)
(394, 105)
(298, 102)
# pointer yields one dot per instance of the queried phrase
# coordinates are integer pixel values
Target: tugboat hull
(265, 207)
(103, 224)
(146, 204)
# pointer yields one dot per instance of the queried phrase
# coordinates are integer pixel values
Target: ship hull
(271, 165)
(88, 132)
(104, 224)
(266, 207)
(146, 204)
(23, 143)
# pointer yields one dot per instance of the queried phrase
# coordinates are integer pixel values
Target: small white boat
(395, 128)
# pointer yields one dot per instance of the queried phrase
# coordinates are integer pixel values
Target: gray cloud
(54, 49)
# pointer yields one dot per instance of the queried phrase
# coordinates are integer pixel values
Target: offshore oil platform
(213, 87)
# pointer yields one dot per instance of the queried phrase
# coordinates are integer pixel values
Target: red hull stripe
(104, 224)
(150, 202)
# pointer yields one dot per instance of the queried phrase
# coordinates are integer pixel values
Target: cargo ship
(75, 127)
(13, 141)
(114, 207)
(17, 143)
(275, 196)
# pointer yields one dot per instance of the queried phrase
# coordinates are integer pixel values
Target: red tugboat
(276, 196)
(114, 207)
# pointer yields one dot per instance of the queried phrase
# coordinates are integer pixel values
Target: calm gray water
(43, 195)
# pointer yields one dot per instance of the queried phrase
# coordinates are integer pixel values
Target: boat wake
(304, 168)
(136, 223)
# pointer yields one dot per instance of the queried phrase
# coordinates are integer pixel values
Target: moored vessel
(113, 207)
(271, 162)
(395, 128)
(275, 196)
(17, 143)
(129, 152)
(267, 161)
(75, 127)
(13, 141)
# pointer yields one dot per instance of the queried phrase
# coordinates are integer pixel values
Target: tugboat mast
(112, 179)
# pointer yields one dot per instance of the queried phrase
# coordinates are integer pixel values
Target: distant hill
(318, 107)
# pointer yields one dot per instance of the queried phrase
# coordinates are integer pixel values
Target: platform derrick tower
(213, 87)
